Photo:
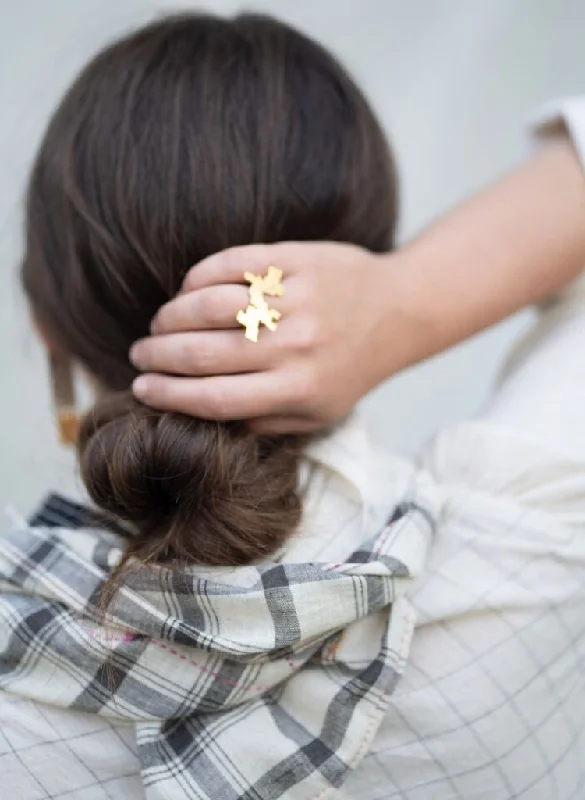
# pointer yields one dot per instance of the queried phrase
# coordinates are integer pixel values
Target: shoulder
(508, 473)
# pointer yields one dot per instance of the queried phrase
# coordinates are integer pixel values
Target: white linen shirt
(492, 702)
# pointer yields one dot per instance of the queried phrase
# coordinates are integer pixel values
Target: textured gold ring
(257, 312)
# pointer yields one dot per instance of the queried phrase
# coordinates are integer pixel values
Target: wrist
(402, 327)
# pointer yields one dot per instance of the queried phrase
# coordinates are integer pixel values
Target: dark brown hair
(191, 135)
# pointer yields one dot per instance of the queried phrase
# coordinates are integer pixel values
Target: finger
(281, 424)
(203, 353)
(221, 398)
(229, 266)
(214, 307)
(211, 307)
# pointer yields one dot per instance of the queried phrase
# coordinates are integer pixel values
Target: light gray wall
(453, 81)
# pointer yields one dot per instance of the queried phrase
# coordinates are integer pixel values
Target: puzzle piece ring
(258, 312)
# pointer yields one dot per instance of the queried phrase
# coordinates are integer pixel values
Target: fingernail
(154, 324)
(134, 355)
(140, 387)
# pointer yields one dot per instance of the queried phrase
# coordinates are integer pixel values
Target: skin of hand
(310, 371)
(351, 319)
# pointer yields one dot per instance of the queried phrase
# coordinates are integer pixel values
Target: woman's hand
(327, 352)
(350, 319)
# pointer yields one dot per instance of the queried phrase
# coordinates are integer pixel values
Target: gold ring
(258, 313)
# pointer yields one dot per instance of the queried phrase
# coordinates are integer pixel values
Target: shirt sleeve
(566, 115)
(541, 392)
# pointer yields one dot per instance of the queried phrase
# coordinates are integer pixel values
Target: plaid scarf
(254, 683)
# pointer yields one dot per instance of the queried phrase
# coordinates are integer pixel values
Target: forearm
(510, 246)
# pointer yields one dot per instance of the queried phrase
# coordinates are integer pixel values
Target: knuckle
(186, 354)
(207, 307)
(215, 402)
(243, 258)
(307, 335)
(202, 356)
(233, 260)
(306, 387)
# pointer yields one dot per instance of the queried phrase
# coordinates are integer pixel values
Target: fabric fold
(257, 682)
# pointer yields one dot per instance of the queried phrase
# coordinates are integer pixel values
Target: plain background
(454, 82)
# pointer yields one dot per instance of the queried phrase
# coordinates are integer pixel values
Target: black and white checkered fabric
(253, 683)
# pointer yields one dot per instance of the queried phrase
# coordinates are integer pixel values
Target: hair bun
(193, 490)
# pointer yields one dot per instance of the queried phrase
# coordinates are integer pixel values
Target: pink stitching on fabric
(128, 636)
(383, 538)
(358, 753)
(410, 619)
(201, 668)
